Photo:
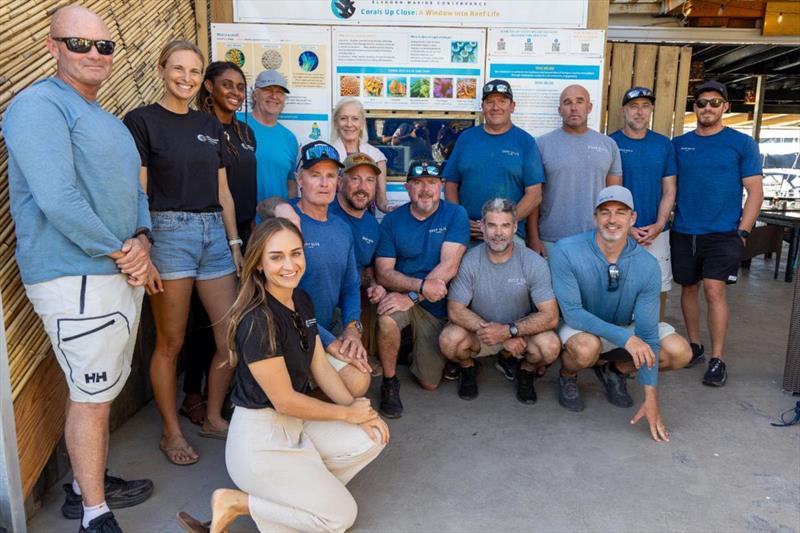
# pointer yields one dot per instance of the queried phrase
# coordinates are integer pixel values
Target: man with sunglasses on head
(648, 171)
(710, 229)
(603, 280)
(83, 243)
(419, 252)
(331, 276)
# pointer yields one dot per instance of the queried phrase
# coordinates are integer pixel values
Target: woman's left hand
(236, 251)
(377, 430)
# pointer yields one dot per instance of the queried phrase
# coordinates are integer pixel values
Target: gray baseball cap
(615, 193)
(268, 78)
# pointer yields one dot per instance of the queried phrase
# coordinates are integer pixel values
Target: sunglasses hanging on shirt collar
(613, 277)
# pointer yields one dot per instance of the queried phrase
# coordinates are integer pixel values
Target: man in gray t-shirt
(501, 300)
(578, 163)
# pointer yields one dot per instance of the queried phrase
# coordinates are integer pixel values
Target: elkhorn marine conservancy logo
(206, 139)
(343, 9)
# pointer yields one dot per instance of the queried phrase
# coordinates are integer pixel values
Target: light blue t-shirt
(487, 166)
(276, 157)
(580, 281)
(73, 181)
(645, 164)
(417, 244)
(710, 172)
(366, 233)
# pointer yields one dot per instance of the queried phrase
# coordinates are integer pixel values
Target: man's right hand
(394, 302)
(434, 289)
(640, 351)
(650, 410)
(516, 346)
(537, 246)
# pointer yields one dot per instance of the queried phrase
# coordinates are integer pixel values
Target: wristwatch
(513, 330)
(743, 233)
(413, 295)
(358, 325)
(146, 232)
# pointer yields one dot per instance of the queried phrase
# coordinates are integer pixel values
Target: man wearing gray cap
(276, 146)
(602, 280)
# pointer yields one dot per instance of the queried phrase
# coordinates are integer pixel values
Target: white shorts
(660, 250)
(92, 323)
(565, 332)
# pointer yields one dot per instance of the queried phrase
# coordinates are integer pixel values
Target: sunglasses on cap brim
(321, 151)
(424, 170)
(638, 93)
(496, 88)
(80, 45)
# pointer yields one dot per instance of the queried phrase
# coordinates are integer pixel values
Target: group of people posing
(541, 249)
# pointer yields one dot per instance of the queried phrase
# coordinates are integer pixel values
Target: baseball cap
(314, 152)
(497, 87)
(711, 86)
(614, 193)
(267, 78)
(422, 168)
(359, 159)
(638, 92)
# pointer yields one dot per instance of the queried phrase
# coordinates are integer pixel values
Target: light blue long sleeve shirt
(73, 179)
(580, 280)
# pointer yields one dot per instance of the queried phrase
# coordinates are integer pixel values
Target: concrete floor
(494, 464)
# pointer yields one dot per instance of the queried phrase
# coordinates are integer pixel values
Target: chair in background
(764, 240)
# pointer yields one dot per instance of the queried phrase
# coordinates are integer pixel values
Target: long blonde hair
(176, 46)
(363, 138)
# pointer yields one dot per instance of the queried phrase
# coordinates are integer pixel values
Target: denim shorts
(190, 245)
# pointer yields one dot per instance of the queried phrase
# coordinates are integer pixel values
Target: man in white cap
(602, 280)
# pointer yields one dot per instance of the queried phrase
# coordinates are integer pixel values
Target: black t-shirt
(252, 345)
(183, 154)
(241, 171)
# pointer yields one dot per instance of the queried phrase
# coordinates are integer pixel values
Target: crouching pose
(290, 454)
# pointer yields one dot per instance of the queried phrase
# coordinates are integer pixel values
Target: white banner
(530, 13)
(416, 69)
(539, 64)
(300, 53)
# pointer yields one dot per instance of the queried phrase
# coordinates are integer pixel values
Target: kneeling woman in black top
(290, 454)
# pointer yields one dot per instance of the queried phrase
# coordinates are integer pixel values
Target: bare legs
(716, 297)
(86, 434)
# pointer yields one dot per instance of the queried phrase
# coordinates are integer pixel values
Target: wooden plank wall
(140, 28)
(664, 69)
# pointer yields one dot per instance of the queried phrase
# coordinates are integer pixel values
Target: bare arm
(449, 261)
(534, 242)
(529, 201)
(461, 315)
(291, 186)
(229, 218)
(752, 205)
(613, 179)
(546, 318)
(391, 278)
(381, 198)
(451, 192)
(669, 188)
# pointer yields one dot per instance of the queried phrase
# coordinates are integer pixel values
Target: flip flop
(170, 453)
(219, 434)
(191, 524)
(187, 412)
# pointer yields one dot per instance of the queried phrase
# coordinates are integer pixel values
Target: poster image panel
(419, 69)
(448, 13)
(539, 64)
(300, 53)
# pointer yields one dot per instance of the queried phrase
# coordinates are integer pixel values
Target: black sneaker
(105, 523)
(507, 365)
(451, 371)
(615, 384)
(391, 406)
(568, 394)
(716, 376)
(525, 391)
(698, 354)
(468, 383)
(119, 495)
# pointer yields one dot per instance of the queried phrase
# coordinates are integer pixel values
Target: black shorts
(709, 256)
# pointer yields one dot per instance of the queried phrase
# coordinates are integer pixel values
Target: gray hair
(499, 205)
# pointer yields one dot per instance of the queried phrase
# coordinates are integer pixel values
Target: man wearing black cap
(710, 228)
(419, 252)
(648, 171)
(495, 160)
(331, 277)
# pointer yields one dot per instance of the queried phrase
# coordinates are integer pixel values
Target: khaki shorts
(427, 361)
(660, 250)
(565, 332)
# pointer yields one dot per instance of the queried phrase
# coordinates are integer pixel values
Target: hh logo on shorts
(95, 377)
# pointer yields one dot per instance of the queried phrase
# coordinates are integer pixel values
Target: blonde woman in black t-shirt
(195, 238)
(289, 453)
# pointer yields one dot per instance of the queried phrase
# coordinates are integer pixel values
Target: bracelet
(234, 242)
(421, 285)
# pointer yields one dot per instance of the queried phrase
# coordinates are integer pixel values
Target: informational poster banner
(300, 53)
(419, 69)
(448, 13)
(539, 64)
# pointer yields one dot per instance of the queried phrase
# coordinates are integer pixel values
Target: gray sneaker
(615, 384)
(568, 394)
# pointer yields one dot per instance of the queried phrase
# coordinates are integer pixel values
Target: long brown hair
(253, 285)
(176, 46)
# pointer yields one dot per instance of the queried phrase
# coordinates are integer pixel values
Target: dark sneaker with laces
(119, 495)
(568, 394)
(615, 384)
(698, 354)
(715, 376)
(507, 365)
(468, 383)
(525, 391)
(105, 523)
(451, 371)
(391, 406)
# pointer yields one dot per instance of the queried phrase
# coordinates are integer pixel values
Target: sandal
(191, 412)
(191, 524)
(219, 434)
(172, 453)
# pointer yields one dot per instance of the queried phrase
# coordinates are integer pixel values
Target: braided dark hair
(205, 102)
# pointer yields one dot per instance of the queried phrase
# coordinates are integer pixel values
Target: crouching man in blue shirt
(602, 280)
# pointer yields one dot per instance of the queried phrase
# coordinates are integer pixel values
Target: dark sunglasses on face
(424, 170)
(298, 326)
(715, 102)
(613, 277)
(79, 45)
(495, 88)
(321, 151)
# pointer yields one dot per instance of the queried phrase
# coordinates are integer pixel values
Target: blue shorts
(190, 245)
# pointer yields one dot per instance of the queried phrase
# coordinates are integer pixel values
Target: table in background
(787, 219)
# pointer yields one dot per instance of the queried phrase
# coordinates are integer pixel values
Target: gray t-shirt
(502, 292)
(575, 167)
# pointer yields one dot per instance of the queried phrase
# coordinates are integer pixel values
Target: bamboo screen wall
(140, 29)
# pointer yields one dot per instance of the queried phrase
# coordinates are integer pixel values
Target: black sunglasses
(424, 169)
(297, 322)
(80, 45)
(638, 92)
(613, 277)
(715, 102)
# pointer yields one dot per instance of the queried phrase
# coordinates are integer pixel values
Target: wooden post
(758, 113)
(622, 69)
(221, 10)
(201, 27)
(682, 90)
